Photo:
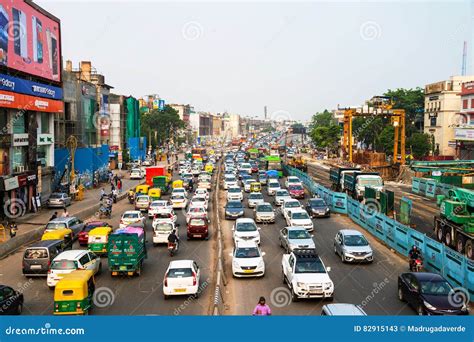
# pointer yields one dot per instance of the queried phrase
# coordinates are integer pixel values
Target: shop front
(19, 195)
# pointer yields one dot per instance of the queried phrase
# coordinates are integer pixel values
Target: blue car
(234, 210)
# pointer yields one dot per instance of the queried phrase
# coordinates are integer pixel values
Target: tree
(413, 102)
(325, 132)
(420, 145)
(164, 123)
(385, 140)
(324, 119)
(367, 129)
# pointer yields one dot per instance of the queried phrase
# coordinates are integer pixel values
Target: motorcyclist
(173, 239)
(414, 255)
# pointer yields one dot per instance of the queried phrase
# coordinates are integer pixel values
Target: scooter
(105, 212)
(131, 197)
(416, 265)
(173, 248)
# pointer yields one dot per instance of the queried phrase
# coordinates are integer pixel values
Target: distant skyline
(295, 58)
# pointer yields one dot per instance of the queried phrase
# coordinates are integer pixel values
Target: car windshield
(230, 179)
(136, 170)
(36, 253)
(370, 182)
(197, 210)
(180, 273)
(309, 266)
(295, 187)
(298, 234)
(142, 199)
(293, 180)
(274, 185)
(55, 226)
(292, 204)
(234, 190)
(255, 196)
(317, 203)
(300, 215)
(177, 197)
(264, 209)
(355, 240)
(179, 190)
(435, 288)
(198, 199)
(64, 265)
(282, 193)
(130, 215)
(164, 227)
(245, 227)
(56, 196)
(197, 222)
(247, 252)
(234, 205)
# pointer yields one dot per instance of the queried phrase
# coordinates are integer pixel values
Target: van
(342, 309)
(38, 257)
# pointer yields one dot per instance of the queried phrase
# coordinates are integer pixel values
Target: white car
(292, 180)
(162, 228)
(281, 195)
(178, 201)
(255, 198)
(234, 194)
(181, 278)
(166, 213)
(184, 169)
(246, 167)
(155, 206)
(230, 181)
(202, 192)
(205, 184)
(272, 186)
(264, 212)
(72, 260)
(288, 205)
(196, 212)
(204, 176)
(195, 170)
(136, 174)
(245, 229)
(199, 201)
(247, 260)
(177, 191)
(247, 183)
(299, 218)
(131, 216)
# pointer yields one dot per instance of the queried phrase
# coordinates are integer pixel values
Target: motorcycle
(105, 211)
(131, 197)
(173, 248)
(416, 265)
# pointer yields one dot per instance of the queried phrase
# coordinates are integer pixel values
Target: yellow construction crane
(381, 106)
(71, 144)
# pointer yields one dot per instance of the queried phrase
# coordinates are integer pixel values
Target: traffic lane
(373, 286)
(124, 295)
(423, 209)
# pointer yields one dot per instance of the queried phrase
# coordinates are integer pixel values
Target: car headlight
(327, 286)
(327, 209)
(428, 305)
(261, 264)
(241, 212)
(235, 264)
(302, 285)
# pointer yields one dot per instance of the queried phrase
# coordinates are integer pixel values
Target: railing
(456, 268)
(429, 187)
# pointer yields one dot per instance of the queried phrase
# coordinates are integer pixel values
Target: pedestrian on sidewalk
(262, 309)
(13, 229)
(54, 216)
(119, 185)
(116, 179)
(112, 187)
(102, 193)
(65, 213)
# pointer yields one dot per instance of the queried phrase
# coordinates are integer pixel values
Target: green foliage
(413, 101)
(325, 132)
(384, 141)
(164, 123)
(420, 144)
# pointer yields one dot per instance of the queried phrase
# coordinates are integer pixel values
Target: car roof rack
(305, 252)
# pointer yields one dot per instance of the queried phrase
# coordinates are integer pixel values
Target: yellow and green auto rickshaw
(154, 193)
(178, 184)
(98, 238)
(74, 292)
(64, 234)
(142, 189)
(209, 168)
(255, 187)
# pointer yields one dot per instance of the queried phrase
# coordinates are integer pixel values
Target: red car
(84, 233)
(254, 168)
(296, 191)
(198, 228)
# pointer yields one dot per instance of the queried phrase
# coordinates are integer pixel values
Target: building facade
(464, 130)
(442, 106)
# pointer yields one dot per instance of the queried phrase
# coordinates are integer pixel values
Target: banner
(19, 85)
(32, 103)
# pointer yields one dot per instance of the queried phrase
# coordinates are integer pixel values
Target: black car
(234, 210)
(431, 294)
(316, 207)
(11, 301)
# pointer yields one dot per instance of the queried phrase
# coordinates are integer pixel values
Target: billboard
(26, 102)
(18, 85)
(29, 40)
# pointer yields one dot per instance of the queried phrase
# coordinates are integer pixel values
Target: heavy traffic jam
(243, 188)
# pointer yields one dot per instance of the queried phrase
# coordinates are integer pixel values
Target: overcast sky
(296, 58)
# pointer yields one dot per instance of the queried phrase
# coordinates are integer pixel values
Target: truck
(455, 224)
(336, 176)
(154, 171)
(355, 183)
(274, 163)
(298, 162)
(306, 276)
(126, 251)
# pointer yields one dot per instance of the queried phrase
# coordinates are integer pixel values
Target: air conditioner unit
(20, 168)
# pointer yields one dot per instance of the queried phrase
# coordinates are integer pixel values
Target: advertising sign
(26, 102)
(161, 105)
(29, 40)
(18, 85)
(11, 183)
(464, 134)
(20, 139)
(156, 104)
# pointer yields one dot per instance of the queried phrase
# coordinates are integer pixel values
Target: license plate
(248, 271)
(123, 268)
(179, 290)
(35, 267)
(198, 236)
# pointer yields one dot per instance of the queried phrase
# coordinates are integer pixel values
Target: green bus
(274, 163)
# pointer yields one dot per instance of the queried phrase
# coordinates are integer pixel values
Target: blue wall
(135, 151)
(87, 161)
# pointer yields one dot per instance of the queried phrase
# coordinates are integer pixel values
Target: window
(464, 104)
(433, 121)
(3, 121)
(84, 260)
(472, 103)
(19, 157)
(44, 123)
(19, 122)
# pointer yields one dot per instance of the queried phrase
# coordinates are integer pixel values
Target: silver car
(281, 195)
(352, 246)
(295, 237)
(264, 213)
(255, 198)
(58, 200)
